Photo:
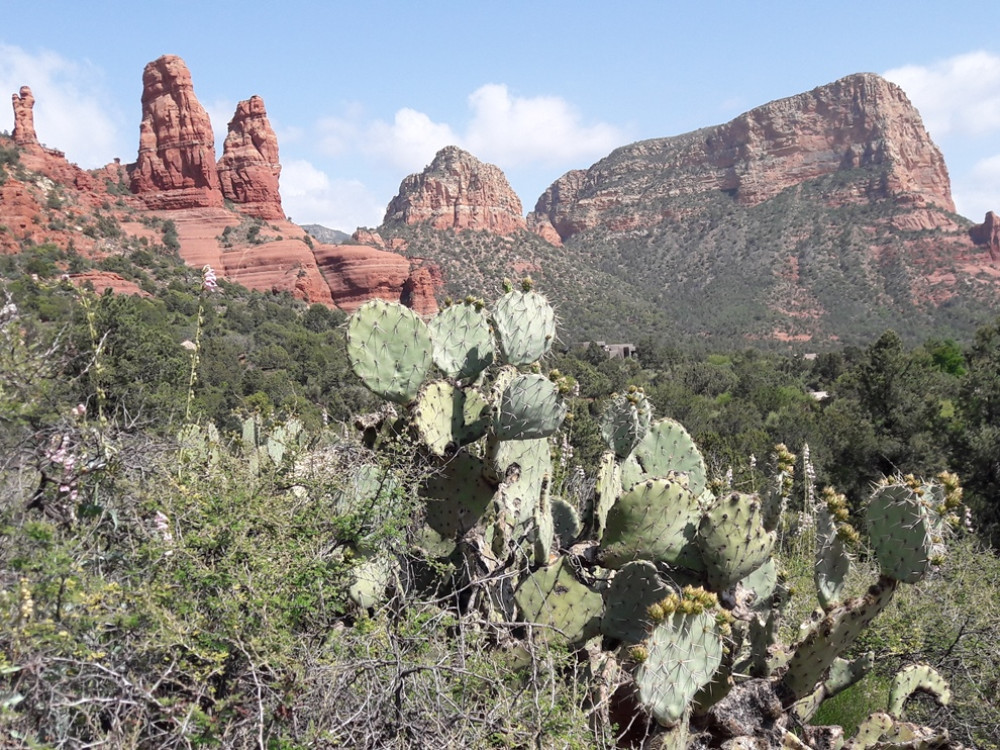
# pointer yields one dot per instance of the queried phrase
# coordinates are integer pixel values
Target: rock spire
(24, 118)
(249, 168)
(176, 164)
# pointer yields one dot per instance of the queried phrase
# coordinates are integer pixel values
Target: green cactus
(370, 578)
(656, 521)
(390, 349)
(626, 421)
(529, 408)
(607, 490)
(633, 590)
(462, 342)
(832, 562)
(525, 324)
(458, 495)
(913, 678)
(446, 417)
(554, 599)
(490, 511)
(566, 522)
(832, 635)
(666, 447)
(732, 540)
(682, 654)
(900, 532)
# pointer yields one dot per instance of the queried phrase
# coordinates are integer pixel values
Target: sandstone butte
(176, 177)
(457, 191)
(861, 120)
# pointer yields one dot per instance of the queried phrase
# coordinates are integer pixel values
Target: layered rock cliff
(249, 168)
(457, 191)
(859, 122)
(176, 165)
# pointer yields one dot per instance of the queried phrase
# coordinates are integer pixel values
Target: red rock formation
(457, 191)
(858, 121)
(101, 280)
(249, 168)
(24, 118)
(176, 165)
(988, 234)
(357, 274)
(20, 212)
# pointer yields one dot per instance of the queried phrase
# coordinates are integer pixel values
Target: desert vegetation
(263, 538)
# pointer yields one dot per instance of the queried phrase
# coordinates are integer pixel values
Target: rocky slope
(861, 122)
(457, 191)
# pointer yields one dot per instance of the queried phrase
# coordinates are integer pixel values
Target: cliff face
(457, 191)
(249, 167)
(858, 122)
(176, 164)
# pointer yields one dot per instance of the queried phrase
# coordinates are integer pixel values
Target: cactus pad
(389, 347)
(607, 490)
(913, 678)
(447, 417)
(627, 600)
(625, 421)
(457, 496)
(667, 446)
(529, 408)
(732, 539)
(899, 529)
(683, 653)
(553, 597)
(656, 520)
(462, 342)
(832, 563)
(525, 324)
(832, 635)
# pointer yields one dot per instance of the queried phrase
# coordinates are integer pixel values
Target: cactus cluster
(678, 576)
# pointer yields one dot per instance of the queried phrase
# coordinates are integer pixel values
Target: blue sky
(362, 94)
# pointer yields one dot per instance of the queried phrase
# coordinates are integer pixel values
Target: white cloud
(980, 190)
(502, 128)
(309, 196)
(541, 129)
(410, 140)
(959, 95)
(73, 112)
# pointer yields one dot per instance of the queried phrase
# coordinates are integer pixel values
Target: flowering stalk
(209, 283)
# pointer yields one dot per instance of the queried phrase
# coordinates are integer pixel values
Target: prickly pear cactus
(656, 521)
(900, 532)
(529, 408)
(525, 325)
(462, 342)
(555, 600)
(390, 349)
(681, 654)
(626, 421)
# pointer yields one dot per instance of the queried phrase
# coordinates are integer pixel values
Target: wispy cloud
(979, 192)
(309, 196)
(72, 110)
(501, 127)
(959, 95)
